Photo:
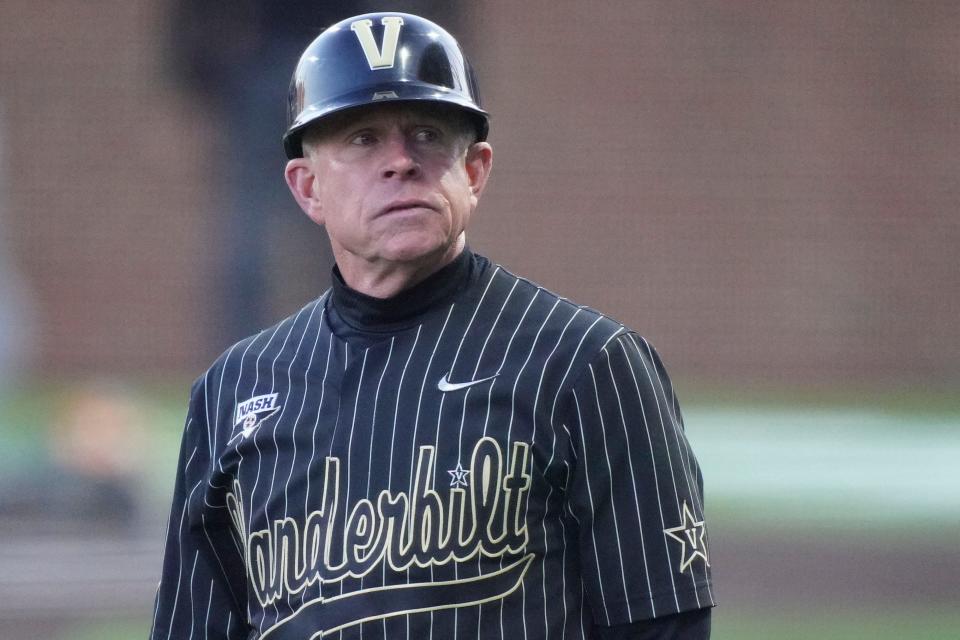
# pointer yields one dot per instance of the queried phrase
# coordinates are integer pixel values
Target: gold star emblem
(458, 476)
(690, 535)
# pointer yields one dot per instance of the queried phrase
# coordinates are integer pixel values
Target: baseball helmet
(375, 58)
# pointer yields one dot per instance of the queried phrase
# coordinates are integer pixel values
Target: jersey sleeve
(689, 625)
(635, 490)
(196, 599)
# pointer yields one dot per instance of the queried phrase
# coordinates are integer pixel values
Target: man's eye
(363, 139)
(427, 135)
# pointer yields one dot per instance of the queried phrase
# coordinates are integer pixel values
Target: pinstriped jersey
(476, 458)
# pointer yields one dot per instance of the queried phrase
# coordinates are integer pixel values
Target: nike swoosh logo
(445, 385)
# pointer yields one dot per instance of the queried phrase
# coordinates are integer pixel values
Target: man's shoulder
(282, 337)
(569, 316)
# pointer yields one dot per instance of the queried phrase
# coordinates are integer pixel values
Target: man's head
(395, 178)
(379, 57)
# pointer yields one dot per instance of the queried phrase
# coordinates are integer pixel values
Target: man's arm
(689, 625)
(195, 598)
(636, 493)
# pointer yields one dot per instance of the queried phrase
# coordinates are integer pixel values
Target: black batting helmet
(374, 58)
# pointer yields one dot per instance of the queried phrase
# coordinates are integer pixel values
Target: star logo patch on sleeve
(690, 535)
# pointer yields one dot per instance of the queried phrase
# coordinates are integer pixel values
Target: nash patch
(250, 413)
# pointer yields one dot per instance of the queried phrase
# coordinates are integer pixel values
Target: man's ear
(302, 180)
(479, 161)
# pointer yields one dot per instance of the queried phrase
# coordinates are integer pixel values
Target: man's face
(392, 184)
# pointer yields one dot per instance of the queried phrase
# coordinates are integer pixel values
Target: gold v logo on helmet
(379, 58)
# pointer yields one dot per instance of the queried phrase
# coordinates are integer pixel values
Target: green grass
(109, 630)
(836, 624)
(910, 436)
(31, 414)
(930, 400)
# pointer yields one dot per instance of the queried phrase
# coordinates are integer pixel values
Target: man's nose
(400, 161)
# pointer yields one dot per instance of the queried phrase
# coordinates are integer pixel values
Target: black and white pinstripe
(533, 492)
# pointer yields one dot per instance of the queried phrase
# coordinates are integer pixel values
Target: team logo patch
(690, 535)
(250, 413)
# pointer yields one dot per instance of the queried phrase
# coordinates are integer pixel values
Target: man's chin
(421, 251)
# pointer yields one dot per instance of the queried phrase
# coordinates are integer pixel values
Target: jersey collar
(360, 312)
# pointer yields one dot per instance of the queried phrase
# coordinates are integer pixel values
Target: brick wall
(767, 190)
(103, 167)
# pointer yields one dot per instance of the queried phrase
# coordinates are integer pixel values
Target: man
(434, 447)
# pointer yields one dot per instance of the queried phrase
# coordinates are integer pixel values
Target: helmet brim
(395, 93)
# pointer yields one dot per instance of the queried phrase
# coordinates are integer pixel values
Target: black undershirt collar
(356, 315)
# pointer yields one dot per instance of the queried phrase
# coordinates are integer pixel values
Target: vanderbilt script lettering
(397, 529)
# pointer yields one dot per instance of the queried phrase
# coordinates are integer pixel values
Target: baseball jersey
(473, 458)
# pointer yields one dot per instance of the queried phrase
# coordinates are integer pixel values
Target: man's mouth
(406, 205)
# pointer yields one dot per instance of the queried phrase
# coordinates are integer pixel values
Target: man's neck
(385, 280)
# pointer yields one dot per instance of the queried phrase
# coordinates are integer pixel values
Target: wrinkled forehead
(403, 114)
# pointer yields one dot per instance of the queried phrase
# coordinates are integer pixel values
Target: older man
(434, 447)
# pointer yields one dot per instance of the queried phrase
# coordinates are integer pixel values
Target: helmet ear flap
(374, 58)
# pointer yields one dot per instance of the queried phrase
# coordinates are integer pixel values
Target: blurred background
(767, 190)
